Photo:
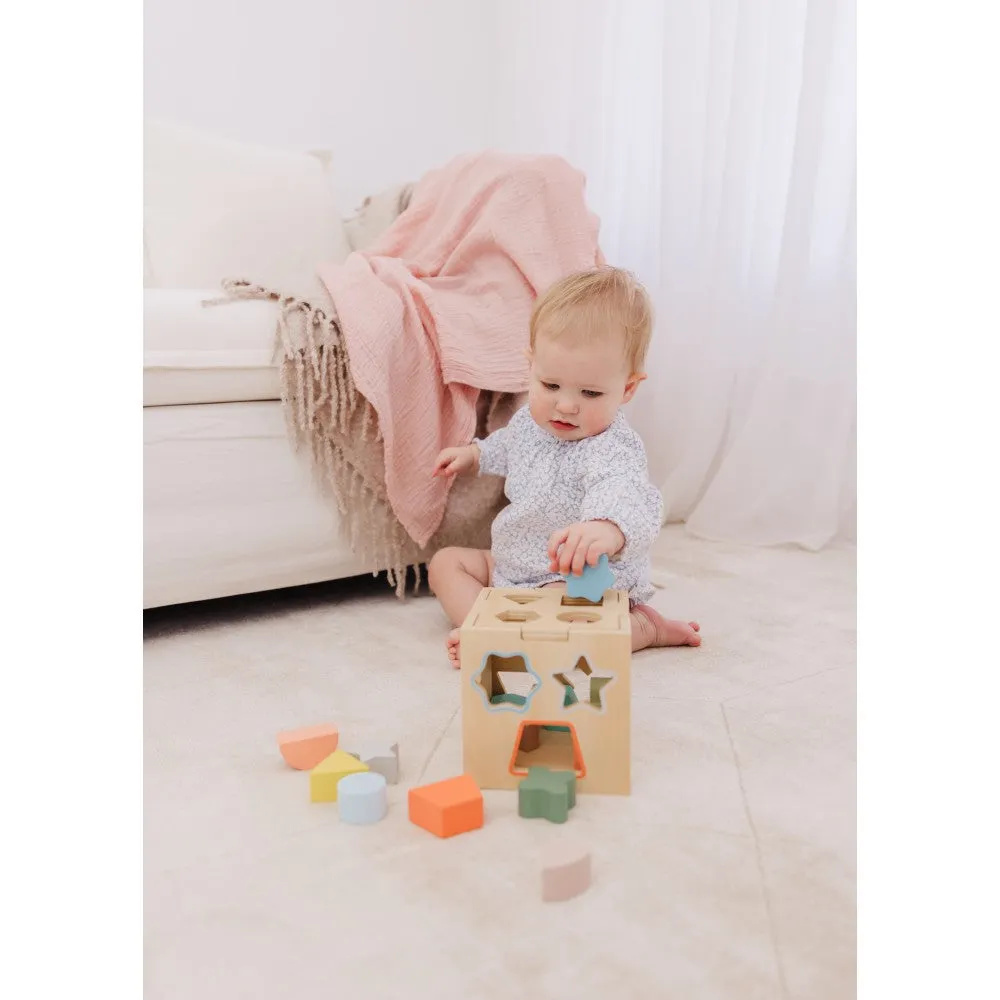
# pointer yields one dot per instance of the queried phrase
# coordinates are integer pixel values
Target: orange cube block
(448, 807)
(304, 748)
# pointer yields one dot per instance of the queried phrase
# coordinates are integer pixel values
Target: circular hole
(584, 617)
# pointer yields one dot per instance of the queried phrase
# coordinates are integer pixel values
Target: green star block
(546, 794)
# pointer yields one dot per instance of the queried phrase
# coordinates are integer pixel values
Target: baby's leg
(650, 628)
(456, 577)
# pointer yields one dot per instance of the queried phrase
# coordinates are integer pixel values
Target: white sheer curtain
(718, 138)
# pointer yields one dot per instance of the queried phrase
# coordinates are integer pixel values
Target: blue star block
(592, 583)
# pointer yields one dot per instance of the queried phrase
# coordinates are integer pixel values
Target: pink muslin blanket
(438, 308)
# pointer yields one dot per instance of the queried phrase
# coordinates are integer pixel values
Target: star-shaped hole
(582, 686)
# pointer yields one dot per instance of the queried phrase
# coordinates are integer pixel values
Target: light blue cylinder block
(361, 798)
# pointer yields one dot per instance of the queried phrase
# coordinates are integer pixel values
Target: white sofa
(229, 508)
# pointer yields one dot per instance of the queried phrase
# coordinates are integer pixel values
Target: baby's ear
(528, 354)
(632, 384)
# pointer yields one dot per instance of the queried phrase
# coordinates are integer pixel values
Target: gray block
(382, 758)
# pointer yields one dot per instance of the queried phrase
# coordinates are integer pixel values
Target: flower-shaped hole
(506, 682)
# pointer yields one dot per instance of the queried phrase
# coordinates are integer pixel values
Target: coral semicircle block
(304, 748)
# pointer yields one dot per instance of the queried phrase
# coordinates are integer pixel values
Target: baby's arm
(622, 494)
(487, 456)
(458, 461)
(620, 514)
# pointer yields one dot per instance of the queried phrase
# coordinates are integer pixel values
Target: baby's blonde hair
(593, 304)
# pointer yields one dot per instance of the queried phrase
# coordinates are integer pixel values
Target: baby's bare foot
(650, 628)
(453, 653)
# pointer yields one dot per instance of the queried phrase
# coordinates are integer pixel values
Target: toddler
(575, 471)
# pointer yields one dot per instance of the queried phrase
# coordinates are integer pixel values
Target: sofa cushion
(215, 354)
(217, 209)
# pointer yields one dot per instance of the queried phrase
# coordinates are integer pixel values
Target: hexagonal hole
(518, 616)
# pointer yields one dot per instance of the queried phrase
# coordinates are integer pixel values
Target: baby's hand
(456, 461)
(583, 543)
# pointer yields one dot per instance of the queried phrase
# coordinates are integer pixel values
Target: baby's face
(575, 390)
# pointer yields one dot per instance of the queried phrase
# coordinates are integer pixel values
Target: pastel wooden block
(592, 583)
(382, 758)
(448, 807)
(515, 682)
(304, 748)
(566, 872)
(553, 690)
(361, 798)
(508, 699)
(580, 682)
(546, 794)
(326, 775)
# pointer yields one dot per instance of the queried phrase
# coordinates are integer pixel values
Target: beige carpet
(728, 873)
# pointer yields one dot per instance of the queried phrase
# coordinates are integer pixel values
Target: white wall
(394, 87)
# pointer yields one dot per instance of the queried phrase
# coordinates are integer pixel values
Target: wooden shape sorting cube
(448, 807)
(304, 748)
(326, 775)
(553, 728)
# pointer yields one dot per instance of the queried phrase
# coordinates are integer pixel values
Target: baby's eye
(551, 386)
(592, 394)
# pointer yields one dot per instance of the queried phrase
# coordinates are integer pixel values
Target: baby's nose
(566, 406)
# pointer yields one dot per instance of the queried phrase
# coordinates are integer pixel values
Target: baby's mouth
(562, 425)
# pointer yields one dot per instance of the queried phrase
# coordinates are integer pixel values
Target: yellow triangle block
(326, 775)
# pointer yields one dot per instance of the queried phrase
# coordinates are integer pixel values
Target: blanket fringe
(325, 413)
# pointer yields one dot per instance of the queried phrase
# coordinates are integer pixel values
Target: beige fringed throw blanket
(328, 418)
(417, 342)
